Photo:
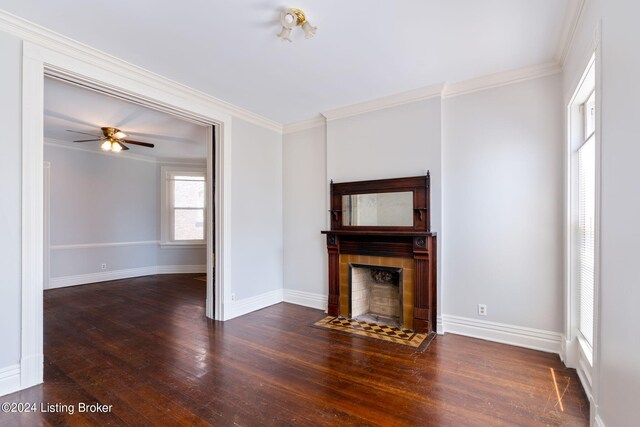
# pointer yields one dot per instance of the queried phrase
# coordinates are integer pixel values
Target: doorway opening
(123, 81)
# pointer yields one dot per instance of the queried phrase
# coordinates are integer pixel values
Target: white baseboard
(306, 299)
(536, 339)
(181, 269)
(9, 379)
(247, 305)
(105, 276)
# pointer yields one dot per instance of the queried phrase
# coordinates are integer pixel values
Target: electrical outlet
(482, 309)
(103, 266)
(233, 297)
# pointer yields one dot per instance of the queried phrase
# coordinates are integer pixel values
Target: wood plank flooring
(144, 346)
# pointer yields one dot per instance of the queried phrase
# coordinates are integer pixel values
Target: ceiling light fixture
(111, 145)
(291, 18)
(116, 147)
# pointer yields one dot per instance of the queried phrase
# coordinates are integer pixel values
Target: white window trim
(577, 138)
(165, 206)
(578, 352)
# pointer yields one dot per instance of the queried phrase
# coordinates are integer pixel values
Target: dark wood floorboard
(144, 346)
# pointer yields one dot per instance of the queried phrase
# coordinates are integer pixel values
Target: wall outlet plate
(103, 266)
(233, 297)
(482, 309)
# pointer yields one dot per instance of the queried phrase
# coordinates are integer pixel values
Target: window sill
(182, 245)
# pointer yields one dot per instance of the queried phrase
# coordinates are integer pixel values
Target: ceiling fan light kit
(113, 140)
(116, 147)
(291, 18)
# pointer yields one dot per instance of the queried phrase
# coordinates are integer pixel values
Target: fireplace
(382, 259)
(376, 294)
(403, 268)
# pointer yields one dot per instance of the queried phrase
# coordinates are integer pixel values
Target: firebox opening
(376, 294)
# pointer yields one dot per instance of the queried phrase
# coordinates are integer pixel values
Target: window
(583, 207)
(586, 219)
(184, 206)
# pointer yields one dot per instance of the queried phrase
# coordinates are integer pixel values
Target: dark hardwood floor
(144, 346)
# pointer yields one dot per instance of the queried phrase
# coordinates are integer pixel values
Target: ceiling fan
(113, 139)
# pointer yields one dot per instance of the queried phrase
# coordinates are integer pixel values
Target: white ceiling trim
(415, 95)
(443, 90)
(124, 156)
(32, 32)
(572, 17)
(304, 125)
(501, 79)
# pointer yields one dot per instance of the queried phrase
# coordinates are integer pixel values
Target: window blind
(586, 200)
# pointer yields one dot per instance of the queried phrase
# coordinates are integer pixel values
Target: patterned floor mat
(375, 331)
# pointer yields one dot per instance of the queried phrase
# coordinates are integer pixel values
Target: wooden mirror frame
(419, 185)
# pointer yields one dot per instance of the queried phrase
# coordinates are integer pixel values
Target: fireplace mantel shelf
(379, 232)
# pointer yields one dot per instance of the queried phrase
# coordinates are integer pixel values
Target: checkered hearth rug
(375, 331)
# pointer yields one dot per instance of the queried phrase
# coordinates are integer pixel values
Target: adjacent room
(404, 213)
(120, 209)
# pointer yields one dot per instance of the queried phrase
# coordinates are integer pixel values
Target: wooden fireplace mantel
(414, 242)
(419, 246)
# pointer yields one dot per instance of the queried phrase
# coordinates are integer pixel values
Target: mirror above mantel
(399, 204)
(378, 209)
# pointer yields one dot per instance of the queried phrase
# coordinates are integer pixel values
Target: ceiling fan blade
(144, 144)
(124, 147)
(87, 140)
(84, 133)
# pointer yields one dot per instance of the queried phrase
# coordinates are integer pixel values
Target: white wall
(98, 199)
(10, 207)
(389, 143)
(502, 162)
(617, 371)
(305, 209)
(256, 210)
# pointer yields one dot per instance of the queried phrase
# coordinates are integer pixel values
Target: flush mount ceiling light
(291, 18)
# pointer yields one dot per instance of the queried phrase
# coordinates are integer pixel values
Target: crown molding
(501, 79)
(415, 95)
(572, 17)
(304, 125)
(42, 36)
(128, 156)
(447, 90)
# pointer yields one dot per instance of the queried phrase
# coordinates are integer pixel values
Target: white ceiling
(364, 49)
(70, 107)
